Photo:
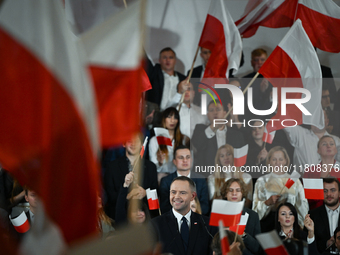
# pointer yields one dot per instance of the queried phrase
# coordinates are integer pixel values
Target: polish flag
(223, 238)
(321, 21)
(268, 137)
(163, 136)
(222, 38)
(49, 114)
(292, 179)
(239, 229)
(267, 13)
(294, 65)
(143, 147)
(151, 195)
(313, 188)
(271, 243)
(20, 223)
(229, 212)
(114, 57)
(240, 155)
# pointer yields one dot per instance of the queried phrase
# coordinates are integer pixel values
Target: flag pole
(188, 78)
(125, 5)
(159, 210)
(244, 91)
(236, 233)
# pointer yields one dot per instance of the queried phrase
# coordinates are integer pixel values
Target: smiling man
(183, 162)
(180, 230)
(326, 217)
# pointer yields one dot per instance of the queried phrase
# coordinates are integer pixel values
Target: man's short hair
(258, 52)
(325, 136)
(180, 147)
(167, 49)
(192, 184)
(331, 180)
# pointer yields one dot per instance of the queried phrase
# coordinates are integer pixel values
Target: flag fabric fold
(321, 21)
(152, 197)
(21, 223)
(271, 243)
(267, 13)
(223, 238)
(313, 188)
(50, 112)
(113, 51)
(240, 155)
(294, 64)
(239, 228)
(268, 137)
(222, 38)
(229, 212)
(163, 136)
(292, 179)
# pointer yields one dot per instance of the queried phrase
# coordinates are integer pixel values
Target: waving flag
(152, 197)
(321, 21)
(163, 136)
(294, 64)
(292, 179)
(239, 228)
(21, 223)
(229, 212)
(240, 155)
(143, 147)
(222, 38)
(223, 238)
(48, 112)
(271, 243)
(267, 13)
(313, 188)
(268, 137)
(113, 48)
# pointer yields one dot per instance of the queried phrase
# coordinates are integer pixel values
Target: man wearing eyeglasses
(326, 217)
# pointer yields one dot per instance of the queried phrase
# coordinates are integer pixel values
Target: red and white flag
(143, 147)
(292, 179)
(268, 137)
(229, 212)
(49, 112)
(313, 188)
(222, 38)
(240, 155)
(223, 238)
(294, 66)
(321, 21)
(267, 13)
(21, 223)
(271, 243)
(163, 136)
(151, 195)
(113, 49)
(239, 228)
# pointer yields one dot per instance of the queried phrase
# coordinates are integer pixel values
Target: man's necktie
(185, 232)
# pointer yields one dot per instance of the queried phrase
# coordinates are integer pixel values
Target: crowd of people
(185, 196)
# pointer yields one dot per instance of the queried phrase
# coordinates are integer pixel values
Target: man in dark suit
(207, 139)
(182, 161)
(326, 217)
(115, 174)
(173, 227)
(163, 78)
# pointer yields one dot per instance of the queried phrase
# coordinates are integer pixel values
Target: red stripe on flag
(44, 135)
(240, 161)
(240, 229)
(153, 204)
(23, 228)
(225, 245)
(213, 38)
(164, 140)
(280, 250)
(142, 152)
(322, 30)
(289, 183)
(228, 220)
(271, 70)
(118, 95)
(314, 193)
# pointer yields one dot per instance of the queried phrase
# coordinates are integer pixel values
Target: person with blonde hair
(270, 190)
(225, 159)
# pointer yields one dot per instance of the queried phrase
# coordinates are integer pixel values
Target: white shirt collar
(330, 210)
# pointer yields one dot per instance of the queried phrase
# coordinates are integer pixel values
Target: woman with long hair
(162, 155)
(270, 190)
(224, 160)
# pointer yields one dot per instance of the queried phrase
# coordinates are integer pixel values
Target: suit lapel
(194, 229)
(324, 217)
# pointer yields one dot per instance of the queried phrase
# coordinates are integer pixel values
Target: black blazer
(200, 234)
(207, 147)
(321, 227)
(252, 229)
(156, 77)
(201, 189)
(115, 176)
